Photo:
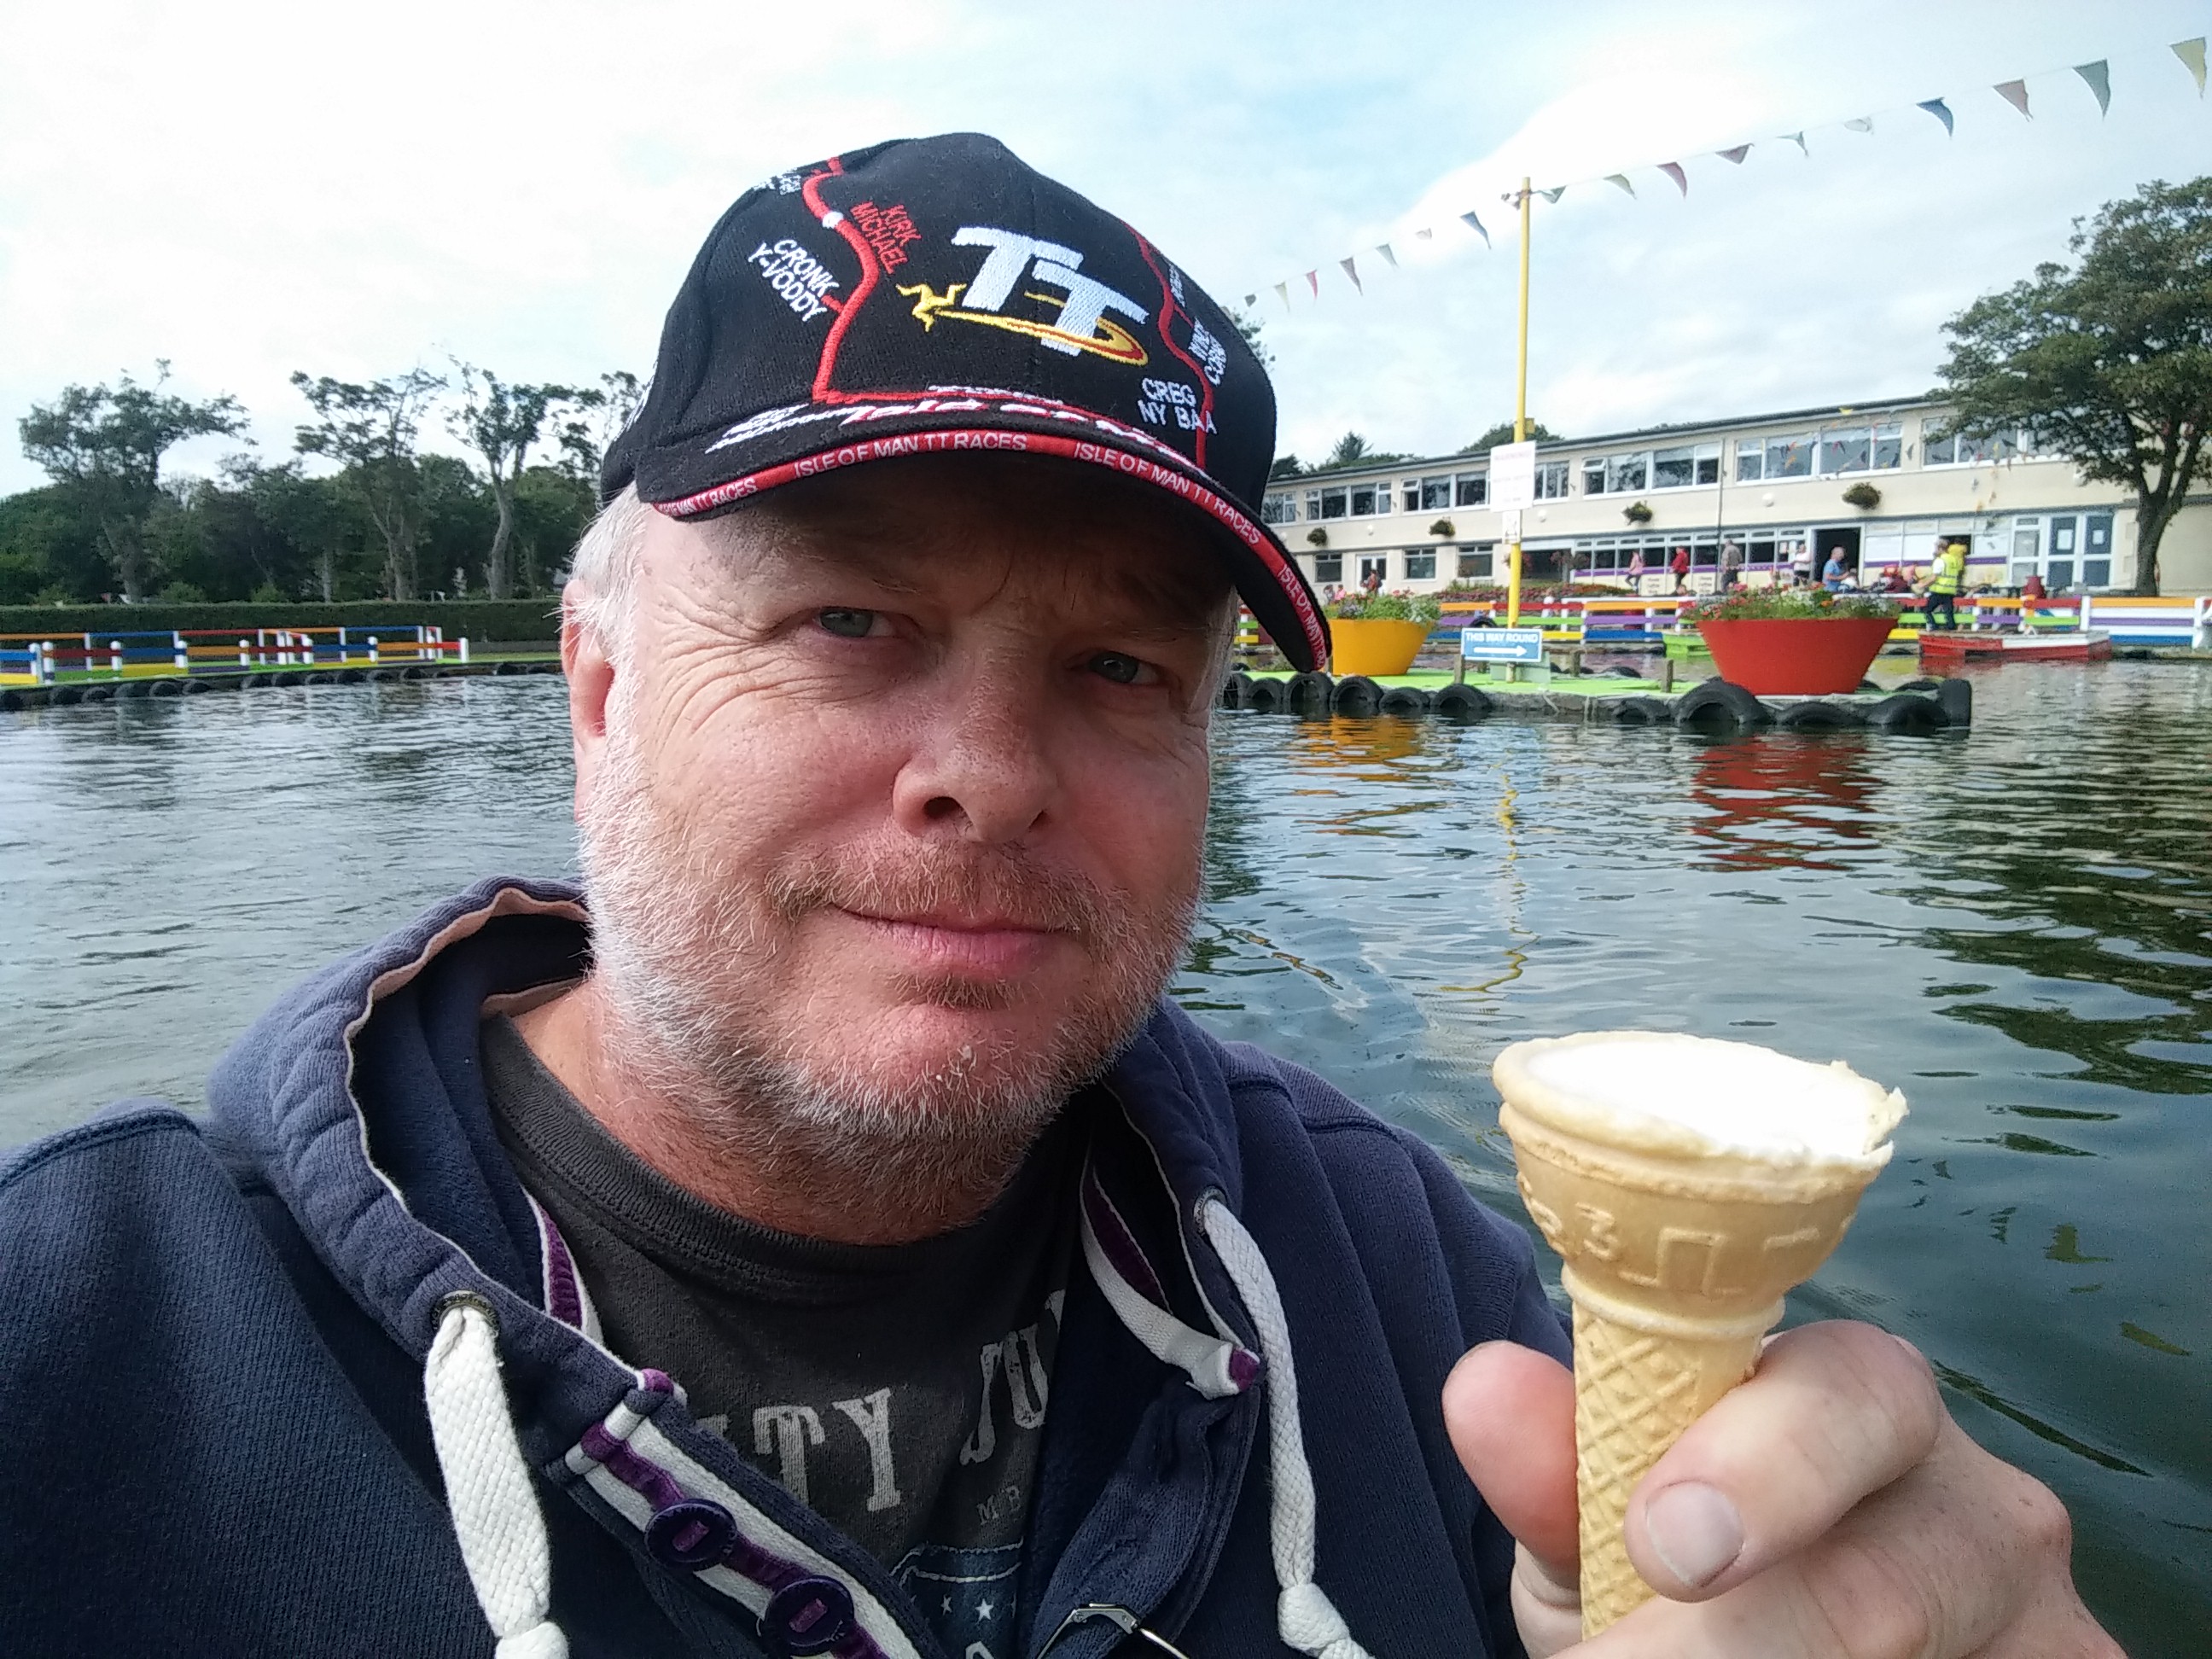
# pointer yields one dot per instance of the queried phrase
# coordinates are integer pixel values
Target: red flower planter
(1796, 656)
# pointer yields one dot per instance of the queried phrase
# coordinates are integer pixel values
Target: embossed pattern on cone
(1635, 1392)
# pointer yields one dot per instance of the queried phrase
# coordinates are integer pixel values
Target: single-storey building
(1762, 492)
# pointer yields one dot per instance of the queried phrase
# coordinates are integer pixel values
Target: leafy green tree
(600, 416)
(1286, 466)
(1353, 450)
(552, 509)
(1503, 433)
(49, 551)
(2107, 361)
(370, 430)
(104, 446)
(501, 422)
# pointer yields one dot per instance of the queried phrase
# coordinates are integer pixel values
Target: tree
(501, 422)
(1353, 450)
(369, 430)
(105, 447)
(2108, 362)
(1286, 466)
(1249, 324)
(601, 415)
(1503, 433)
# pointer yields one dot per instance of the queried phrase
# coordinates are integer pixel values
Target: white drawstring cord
(488, 1483)
(1306, 1619)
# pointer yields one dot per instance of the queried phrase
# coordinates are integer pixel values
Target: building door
(1826, 539)
(1376, 569)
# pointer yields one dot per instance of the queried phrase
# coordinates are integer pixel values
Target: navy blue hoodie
(223, 1343)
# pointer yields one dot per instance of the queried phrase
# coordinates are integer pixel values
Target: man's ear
(590, 681)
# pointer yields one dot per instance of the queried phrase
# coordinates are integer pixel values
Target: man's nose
(981, 764)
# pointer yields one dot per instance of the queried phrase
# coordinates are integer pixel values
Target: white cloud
(248, 189)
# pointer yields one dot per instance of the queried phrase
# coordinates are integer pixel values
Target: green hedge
(512, 621)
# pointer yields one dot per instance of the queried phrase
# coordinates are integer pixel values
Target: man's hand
(1828, 1507)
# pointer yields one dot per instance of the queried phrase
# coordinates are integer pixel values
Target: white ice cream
(1736, 1096)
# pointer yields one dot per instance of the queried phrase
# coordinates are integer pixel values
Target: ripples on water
(2014, 927)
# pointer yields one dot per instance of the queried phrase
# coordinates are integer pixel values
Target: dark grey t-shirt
(898, 1390)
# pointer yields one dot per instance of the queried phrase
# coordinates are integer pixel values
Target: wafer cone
(1677, 1255)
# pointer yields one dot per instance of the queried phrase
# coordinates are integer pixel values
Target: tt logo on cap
(1080, 324)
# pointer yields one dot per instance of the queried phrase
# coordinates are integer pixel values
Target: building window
(1368, 500)
(1420, 567)
(1971, 449)
(1888, 446)
(1436, 493)
(1552, 481)
(1278, 509)
(1845, 451)
(2097, 550)
(1329, 569)
(1411, 489)
(1475, 564)
(1473, 489)
(1593, 478)
(1750, 460)
(1790, 457)
(1313, 503)
(1673, 469)
(1332, 502)
(1627, 472)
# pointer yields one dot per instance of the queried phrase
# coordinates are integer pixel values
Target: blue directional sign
(1501, 645)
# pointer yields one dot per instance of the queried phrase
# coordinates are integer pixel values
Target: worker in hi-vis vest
(1945, 584)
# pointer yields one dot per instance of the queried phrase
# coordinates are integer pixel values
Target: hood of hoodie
(358, 1098)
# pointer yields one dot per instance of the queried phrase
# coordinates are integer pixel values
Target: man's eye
(849, 625)
(1120, 669)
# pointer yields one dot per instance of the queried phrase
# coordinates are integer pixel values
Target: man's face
(893, 816)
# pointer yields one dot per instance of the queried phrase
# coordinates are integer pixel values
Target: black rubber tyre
(1266, 694)
(1719, 704)
(1908, 712)
(1956, 697)
(507, 668)
(100, 694)
(193, 687)
(1462, 702)
(1621, 670)
(11, 701)
(1643, 711)
(383, 675)
(1818, 715)
(1407, 700)
(350, 677)
(66, 696)
(1236, 690)
(134, 689)
(1309, 693)
(1355, 694)
(1917, 685)
(545, 668)
(416, 672)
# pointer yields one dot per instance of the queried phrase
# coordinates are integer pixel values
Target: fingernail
(1694, 1530)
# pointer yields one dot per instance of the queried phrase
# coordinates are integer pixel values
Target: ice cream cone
(1680, 1231)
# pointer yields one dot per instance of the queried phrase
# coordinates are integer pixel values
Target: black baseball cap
(937, 295)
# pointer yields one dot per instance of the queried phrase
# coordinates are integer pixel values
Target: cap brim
(708, 477)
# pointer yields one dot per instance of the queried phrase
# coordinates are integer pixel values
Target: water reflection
(2016, 927)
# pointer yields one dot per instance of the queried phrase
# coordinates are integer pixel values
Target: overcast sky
(248, 189)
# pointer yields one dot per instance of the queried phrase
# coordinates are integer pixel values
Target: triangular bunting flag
(1620, 178)
(1553, 194)
(1736, 155)
(1353, 271)
(1940, 111)
(1475, 225)
(2099, 74)
(2016, 94)
(1863, 123)
(1251, 299)
(1282, 293)
(1674, 170)
(1798, 139)
(1425, 235)
(1313, 282)
(2192, 52)
(1384, 248)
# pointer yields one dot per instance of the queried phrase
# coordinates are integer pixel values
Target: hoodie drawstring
(488, 1491)
(1306, 1619)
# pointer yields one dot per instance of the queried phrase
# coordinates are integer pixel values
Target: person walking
(1832, 573)
(1946, 582)
(1681, 565)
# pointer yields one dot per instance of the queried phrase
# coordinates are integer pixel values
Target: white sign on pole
(1513, 475)
(1513, 517)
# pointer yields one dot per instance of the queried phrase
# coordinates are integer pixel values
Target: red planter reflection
(1796, 656)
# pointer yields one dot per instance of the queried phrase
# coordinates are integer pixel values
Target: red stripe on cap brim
(983, 440)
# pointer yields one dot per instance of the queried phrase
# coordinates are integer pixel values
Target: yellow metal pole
(1520, 413)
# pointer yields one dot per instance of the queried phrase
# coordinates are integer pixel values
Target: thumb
(1510, 1414)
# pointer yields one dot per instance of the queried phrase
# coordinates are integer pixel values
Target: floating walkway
(62, 694)
(1919, 706)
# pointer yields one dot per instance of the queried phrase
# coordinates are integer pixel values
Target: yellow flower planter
(1375, 648)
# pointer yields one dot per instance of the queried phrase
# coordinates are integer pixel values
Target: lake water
(2015, 927)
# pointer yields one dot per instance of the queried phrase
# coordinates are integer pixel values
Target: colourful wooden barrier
(38, 660)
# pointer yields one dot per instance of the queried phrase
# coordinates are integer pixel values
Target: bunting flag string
(2095, 75)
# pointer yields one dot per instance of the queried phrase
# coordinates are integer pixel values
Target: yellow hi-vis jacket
(1950, 572)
